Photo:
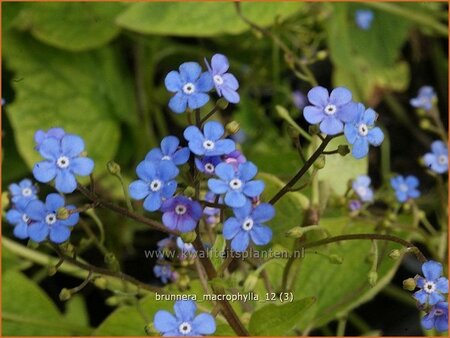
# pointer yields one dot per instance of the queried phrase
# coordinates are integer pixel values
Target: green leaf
(278, 320)
(11, 262)
(76, 311)
(289, 210)
(71, 26)
(27, 310)
(217, 249)
(10, 11)
(201, 19)
(339, 170)
(84, 93)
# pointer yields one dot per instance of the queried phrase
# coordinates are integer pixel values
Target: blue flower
(226, 84)
(364, 18)
(63, 160)
(361, 132)
(437, 317)
(354, 205)
(248, 224)
(235, 158)
(331, 111)
(405, 188)
(190, 86)
(25, 191)
(184, 323)
(437, 160)
(164, 272)
(299, 99)
(181, 213)
(156, 183)
(169, 151)
(45, 221)
(186, 248)
(425, 98)
(17, 217)
(208, 143)
(433, 286)
(207, 164)
(212, 214)
(361, 186)
(236, 185)
(40, 135)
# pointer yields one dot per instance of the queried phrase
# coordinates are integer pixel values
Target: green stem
(91, 213)
(342, 323)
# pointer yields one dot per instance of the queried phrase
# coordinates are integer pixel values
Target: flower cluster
(432, 296)
(337, 112)
(191, 86)
(425, 99)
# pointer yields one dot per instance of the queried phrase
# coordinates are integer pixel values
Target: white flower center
(363, 130)
(235, 183)
(189, 88)
(208, 144)
(248, 224)
(429, 287)
(443, 160)
(27, 192)
(25, 218)
(166, 158)
(330, 109)
(218, 79)
(185, 328)
(403, 187)
(63, 162)
(50, 219)
(180, 209)
(209, 168)
(155, 185)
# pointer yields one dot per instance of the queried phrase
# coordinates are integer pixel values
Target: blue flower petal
(375, 136)
(223, 147)
(65, 181)
(225, 171)
(196, 210)
(53, 202)
(196, 146)
(81, 166)
(154, 155)
(197, 100)
(44, 171)
(205, 83)
(313, 114)
(73, 218)
(213, 130)
(153, 201)
(442, 285)
(412, 181)
(38, 231)
(247, 171)
(231, 227)
(178, 103)
(441, 323)
(59, 234)
(219, 63)
(439, 148)
(318, 96)
(190, 71)
(231, 95)
(421, 296)
(167, 170)
(217, 186)
(428, 321)
(173, 82)
(350, 132)
(263, 213)
(360, 147)
(331, 126)
(340, 96)
(72, 145)
(181, 156)
(15, 189)
(50, 149)
(240, 241)
(230, 81)
(243, 212)
(253, 188)
(348, 113)
(235, 199)
(36, 210)
(13, 216)
(185, 310)
(138, 189)
(435, 298)
(261, 234)
(170, 220)
(369, 117)
(169, 189)
(169, 145)
(204, 324)
(146, 171)
(164, 321)
(192, 133)
(401, 196)
(432, 270)
(21, 230)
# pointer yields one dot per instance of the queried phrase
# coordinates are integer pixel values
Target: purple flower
(164, 272)
(208, 143)
(433, 286)
(299, 99)
(437, 160)
(362, 132)
(437, 317)
(186, 248)
(331, 111)
(424, 99)
(354, 205)
(63, 160)
(247, 224)
(19, 219)
(190, 86)
(181, 213)
(169, 151)
(236, 185)
(226, 84)
(185, 322)
(361, 186)
(156, 183)
(207, 164)
(45, 221)
(40, 135)
(405, 188)
(25, 191)
(234, 158)
(364, 18)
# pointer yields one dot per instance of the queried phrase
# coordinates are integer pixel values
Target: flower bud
(112, 301)
(183, 282)
(425, 124)
(409, 284)
(372, 277)
(62, 213)
(250, 282)
(5, 200)
(320, 162)
(232, 127)
(343, 149)
(188, 237)
(335, 259)
(295, 232)
(51, 270)
(113, 168)
(189, 192)
(407, 207)
(111, 261)
(322, 55)
(100, 282)
(222, 103)
(150, 330)
(395, 254)
(65, 294)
